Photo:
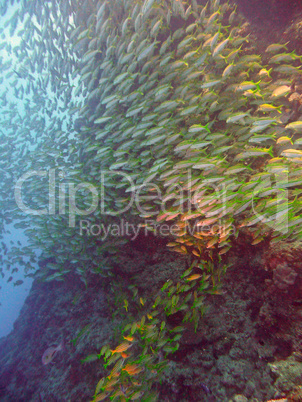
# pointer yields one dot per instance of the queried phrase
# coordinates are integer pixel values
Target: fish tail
(270, 151)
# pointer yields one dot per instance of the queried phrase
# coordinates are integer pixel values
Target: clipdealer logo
(62, 197)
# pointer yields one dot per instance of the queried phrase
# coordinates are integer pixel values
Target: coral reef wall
(248, 336)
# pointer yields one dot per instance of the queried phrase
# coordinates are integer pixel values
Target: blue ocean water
(11, 297)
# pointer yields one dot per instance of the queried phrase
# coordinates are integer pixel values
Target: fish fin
(61, 345)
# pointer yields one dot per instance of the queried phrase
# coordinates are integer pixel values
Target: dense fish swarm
(158, 101)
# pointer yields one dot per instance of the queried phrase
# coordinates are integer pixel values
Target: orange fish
(50, 353)
(193, 277)
(132, 369)
(129, 338)
(122, 347)
(125, 355)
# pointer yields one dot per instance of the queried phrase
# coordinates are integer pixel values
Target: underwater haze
(12, 294)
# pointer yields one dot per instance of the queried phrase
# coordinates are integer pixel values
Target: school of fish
(168, 98)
